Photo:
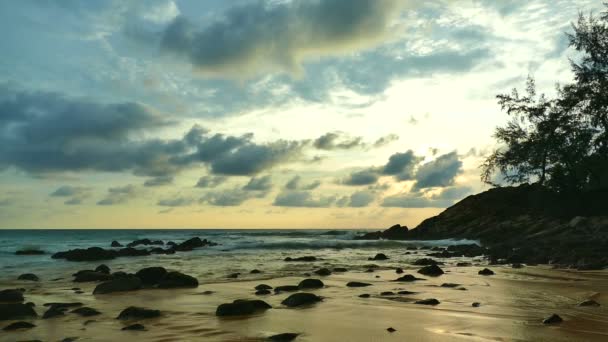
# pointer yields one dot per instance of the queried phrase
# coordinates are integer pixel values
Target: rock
(116, 244)
(89, 254)
(191, 244)
(553, 319)
(377, 276)
(256, 271)
(263, 287)
(299, 299)
(391, 329)
(18, 325)
(340, 269)
(364, 295)
(29, 277)
(63, 306)
(426, 262)
(144, 242)
(284, 337)
(387, 293)
(86, 311)
(262, 292)
(486, 272)
(177, 280)
(432, 271)
(54, 311)
(450, 285)
(369, 270)
(303, 258)
(286, 288)
(102, 269)
(407, 278)
(88, 275)
(589, 302)
(517, 265)
(396, 232)
(14, 311)
(463, 264)
(379, 256)
(129, 283)
(133, 312)
(403, 292)
(311, 284)
(233, 275)
(11, 296)
(151, 275)
(132, 252)
(357, 284)
(29, 252)
(476, 304)
(241, 307)
(136, 327)
(323, 272)
(428, 301)
(399, 270)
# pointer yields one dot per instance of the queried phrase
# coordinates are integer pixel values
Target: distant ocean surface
(238, 250)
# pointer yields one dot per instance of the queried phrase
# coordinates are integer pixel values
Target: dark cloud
(76, 194)
(251, 158)
(210, 181)
(295, 184)
(440, 172)
(401, 165)
(337, 140)
(364, 177)
(119, 195)
(302, 199)
(259, 184)
(175, 202)
(261, 36)
(361, 199)
(385, 140)
(159, 181)
(231, 197)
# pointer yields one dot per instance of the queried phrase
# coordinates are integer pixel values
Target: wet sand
(513, 304)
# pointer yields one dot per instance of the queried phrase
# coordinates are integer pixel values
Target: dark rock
(13, 311)
(589, 302)
(133, 312)
(476, 304)
(171, 243)
(463, 264)
(29, 277)
(256, 271)
(399, 270)
(102, 269)
(191, 244)
(311, 284)
(432, 271)
(151, 275)
(303, 258)
(407, 278)
(18, 325)
(299, 299)
(30, 304)
(323, 272)
(340, 269)
(177, 280)
(387, 293)
(553, 319)
(241, 307)
(517, 265)
(29, 252)
(54, 311)
(396, 232)
(450, 285)
(403, 292)
(129, 283)
(11, 296)
(88, 275)
(486, 272)
(116, 244)
(428, 301)
(391, 329)
(263, 287)
(379, 256)
(233, 275)
(132, 252)
(286, 288)
(284, 337)
(89, 254)
(364, 295)
(136, 327)
(144, 242)
(377, 276)
(86, 311)
(426, 262)
(262, 292)
(357, 284)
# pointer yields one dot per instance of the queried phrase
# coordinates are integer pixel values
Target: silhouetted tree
(563, 142)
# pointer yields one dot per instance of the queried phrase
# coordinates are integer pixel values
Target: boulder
(263, 287)
(286, 288)
(89, 254)
(428, 301)
(407, 278)
(364, 295)
(135, 327)
(323, 272)
(284, 337)
(133, 312)
(379, 256)
(241, 308)
(29, 277)
(431, 270)
(88, 275)
(426, 262)
(191, 244)
(357, 284)
(102, 269)
(129, 283)
(404, 292)
(486, 272)
(86, 311)
(262, 292)
(116, 244)
(14, 311)
(11, 295)
(553, 319)
(18, 325)
(151, 275)
(54, 311)
(450, 285)
(299, 299)
(177, 280)
(387, 293)
(311, 284)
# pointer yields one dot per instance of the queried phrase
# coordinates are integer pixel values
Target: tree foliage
(562, 142)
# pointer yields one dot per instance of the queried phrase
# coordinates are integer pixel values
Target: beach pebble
(428, 301)
(463, 264)
(476, 304)
(284, 337)
(18, 325)
(54, 311)
(391, 329)
(404, 292)
(299, 299)
(241, 307)
(553, 319)
(256, 271)
(134, 312)
(486, 271)
(29, 277)
(364, 295)
(387, 293)
(450, 285)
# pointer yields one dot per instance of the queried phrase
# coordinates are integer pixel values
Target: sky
(260, 114)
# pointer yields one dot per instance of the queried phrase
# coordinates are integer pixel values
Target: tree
(561, 143)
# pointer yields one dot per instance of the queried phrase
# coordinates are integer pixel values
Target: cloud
(440, 172)
(364, 177)
(385, 140)
(401, 165)
(230, 197)
(210, 181)
(175, 202)
(337, 140)
(119, 195)
(259, 184)
(251, 158)
(361, 199)
(294, 184)
(302, 199)
(159, 181)
(261, 36)
(76, 194)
